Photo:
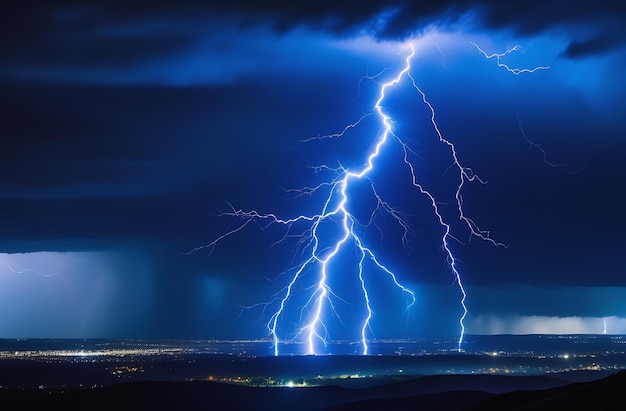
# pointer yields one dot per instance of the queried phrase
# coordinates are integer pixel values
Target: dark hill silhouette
(605, 394)
(449, 392)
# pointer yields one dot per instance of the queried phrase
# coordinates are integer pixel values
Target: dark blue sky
(125, 131)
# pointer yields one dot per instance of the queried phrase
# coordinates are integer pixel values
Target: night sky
(126, 130)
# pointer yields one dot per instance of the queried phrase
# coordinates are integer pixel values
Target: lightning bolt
(337, 209)
(14, 269)
(26, 270)
(517, 71)
(315, 330)
(498, 56)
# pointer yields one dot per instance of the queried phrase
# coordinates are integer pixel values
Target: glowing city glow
(337, 208)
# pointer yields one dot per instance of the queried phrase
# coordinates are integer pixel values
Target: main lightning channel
(465, 175)
(336, 209)
(315, 330)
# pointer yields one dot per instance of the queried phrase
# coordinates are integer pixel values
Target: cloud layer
(537, 324)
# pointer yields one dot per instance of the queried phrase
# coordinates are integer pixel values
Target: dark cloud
(390, 18)
(92, 38)
(600, 44)
(100, 35)
(397, 19)
(527, 16)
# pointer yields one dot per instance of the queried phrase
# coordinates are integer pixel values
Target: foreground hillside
(453, 392)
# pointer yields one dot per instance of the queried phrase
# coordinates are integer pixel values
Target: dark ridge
(443, 401)
(449, 392)
(193, 395)
(605, 394)
(493, 384)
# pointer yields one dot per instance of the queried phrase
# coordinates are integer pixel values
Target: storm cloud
(127, 128)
